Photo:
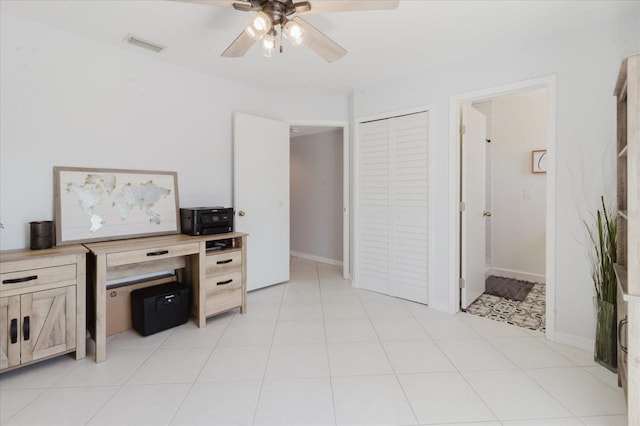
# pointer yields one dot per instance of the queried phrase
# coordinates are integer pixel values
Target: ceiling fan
(275, 18)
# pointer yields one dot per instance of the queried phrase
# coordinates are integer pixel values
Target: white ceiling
(382, 45)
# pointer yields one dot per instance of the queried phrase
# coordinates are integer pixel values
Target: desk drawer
(152, 253)
(223, 301)
(223, 263)
(40, 276)
(224, 282)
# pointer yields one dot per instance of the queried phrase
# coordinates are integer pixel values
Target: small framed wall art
(110, 204)
(539, 161)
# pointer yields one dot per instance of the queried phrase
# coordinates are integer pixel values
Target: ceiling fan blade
(302, 6)
(239, 47)
(320, 43)
(244, 7)
(328, 6)
(223, 3)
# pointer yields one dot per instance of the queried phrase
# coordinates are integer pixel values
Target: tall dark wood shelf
(628, 232)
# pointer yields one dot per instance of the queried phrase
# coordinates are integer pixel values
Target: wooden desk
(201, 269)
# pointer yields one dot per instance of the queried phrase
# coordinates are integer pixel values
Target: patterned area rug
(530, 313)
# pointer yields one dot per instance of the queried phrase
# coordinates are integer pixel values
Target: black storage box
(159, 307)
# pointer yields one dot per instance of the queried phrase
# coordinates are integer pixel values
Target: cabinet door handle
(222, 262)
(20, 280)
(14, 330)
(26, 329)
(158, 253)
(622, 323)
(224, 282)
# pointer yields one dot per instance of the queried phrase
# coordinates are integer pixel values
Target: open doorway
(511, 221)
(320, 194)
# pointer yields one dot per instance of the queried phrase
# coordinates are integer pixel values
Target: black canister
(42, 234)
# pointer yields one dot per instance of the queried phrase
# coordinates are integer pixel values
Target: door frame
(430, 109)
(455, 102)
(346, 185)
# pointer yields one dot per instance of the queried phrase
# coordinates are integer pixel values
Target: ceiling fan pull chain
(281, 47)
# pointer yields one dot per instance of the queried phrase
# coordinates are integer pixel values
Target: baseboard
(316, 258)
(575, 341)
(518, 275)
(442, 307)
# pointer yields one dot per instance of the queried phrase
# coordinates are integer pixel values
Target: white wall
(67, 100)
(585, 65)
(518, 223)
(316, 195)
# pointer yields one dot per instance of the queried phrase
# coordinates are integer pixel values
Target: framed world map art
(110, 204)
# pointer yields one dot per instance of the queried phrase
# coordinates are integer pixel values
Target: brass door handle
(241, 213)
(486, 214)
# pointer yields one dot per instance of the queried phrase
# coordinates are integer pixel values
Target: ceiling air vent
(142, 43)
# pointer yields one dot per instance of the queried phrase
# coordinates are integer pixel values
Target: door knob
(241, 213)
(486, 214)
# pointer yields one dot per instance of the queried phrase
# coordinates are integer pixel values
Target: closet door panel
(374, 192)
(410, 206)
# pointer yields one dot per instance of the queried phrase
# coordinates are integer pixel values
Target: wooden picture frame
(538, 161)
(111, 204)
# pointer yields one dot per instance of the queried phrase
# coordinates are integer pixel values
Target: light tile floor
(315, 351)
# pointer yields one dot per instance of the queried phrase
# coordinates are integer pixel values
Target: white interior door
(261, 196)
(473, 237)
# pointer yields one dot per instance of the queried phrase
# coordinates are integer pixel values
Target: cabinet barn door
(47, 322)
(9, 352)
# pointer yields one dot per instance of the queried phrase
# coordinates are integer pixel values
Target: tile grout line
(326, 345)
(195, 380)
(273, 336)
(122, 385)
(395, 373)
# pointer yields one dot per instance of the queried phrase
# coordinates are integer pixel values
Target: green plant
(603, 256)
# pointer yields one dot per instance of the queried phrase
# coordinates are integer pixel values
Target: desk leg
(200, 279)
(100, 308)
(81, 306)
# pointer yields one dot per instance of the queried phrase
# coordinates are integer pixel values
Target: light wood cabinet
(42, 300)
(627, 93)
(223, 285)
(221, 276)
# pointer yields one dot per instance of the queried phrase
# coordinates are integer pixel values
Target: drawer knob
(224, 282)
(223, 262)
(19, 280)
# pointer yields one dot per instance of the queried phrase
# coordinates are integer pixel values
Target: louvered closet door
(409, 207)
(393, 202)
(373, 206)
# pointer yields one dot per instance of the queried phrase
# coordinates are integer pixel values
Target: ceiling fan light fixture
(259, 25)
(269, 43)
(294, 33)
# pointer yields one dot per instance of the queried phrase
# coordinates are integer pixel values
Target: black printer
(206, 220)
